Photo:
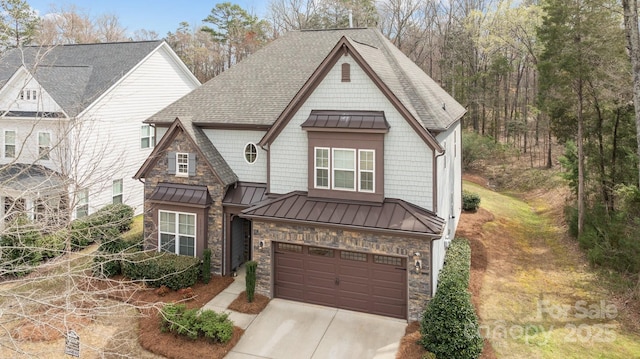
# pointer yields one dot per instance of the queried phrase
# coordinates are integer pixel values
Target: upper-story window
(9, 144)
(250, 153)
(182, 164)
(82, 207)
(117, 190)
(29, 95)
(147, 136)
(44, 145)
(344, 167)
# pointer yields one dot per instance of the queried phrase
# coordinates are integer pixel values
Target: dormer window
(29, 95)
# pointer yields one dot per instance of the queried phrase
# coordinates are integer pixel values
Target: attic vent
(346, 72)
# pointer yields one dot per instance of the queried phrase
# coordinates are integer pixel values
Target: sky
(161, 16)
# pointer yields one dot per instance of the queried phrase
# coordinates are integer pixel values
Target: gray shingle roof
(257, 90)
(76, 75)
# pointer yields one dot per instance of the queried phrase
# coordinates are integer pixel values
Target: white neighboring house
(71, 131)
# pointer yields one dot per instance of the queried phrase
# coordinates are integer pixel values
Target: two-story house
(71, 130)
(328, 157)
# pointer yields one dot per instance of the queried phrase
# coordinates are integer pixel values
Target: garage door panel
(344, 279)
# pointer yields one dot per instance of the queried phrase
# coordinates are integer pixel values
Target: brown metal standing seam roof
(391, 215)
(245, 194)
(356, 120)
(181, 194)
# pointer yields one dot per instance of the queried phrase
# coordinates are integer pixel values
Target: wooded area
(532, 75)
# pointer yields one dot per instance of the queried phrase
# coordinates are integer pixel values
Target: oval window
(250, 153)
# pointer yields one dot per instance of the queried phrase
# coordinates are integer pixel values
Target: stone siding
(204, 177)
(419, 284)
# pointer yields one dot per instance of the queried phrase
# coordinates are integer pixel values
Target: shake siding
(111, 128)
(231, 144)
(407, 159)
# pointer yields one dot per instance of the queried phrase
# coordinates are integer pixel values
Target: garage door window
(353, 256)
(323, 252)
(290, 247)
(392, 261)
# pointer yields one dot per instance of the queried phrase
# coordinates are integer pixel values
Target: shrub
(19, 246)
(250, 280)
(205, 270)
(470, 201)
(161, 268)
(104, 225)
(449, 324)
(176, 318)
(52, 245)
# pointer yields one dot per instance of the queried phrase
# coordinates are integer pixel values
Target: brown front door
(357, 281)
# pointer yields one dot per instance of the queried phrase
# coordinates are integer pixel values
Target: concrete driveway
(287, 329)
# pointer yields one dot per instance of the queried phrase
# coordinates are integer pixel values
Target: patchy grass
(537, 297)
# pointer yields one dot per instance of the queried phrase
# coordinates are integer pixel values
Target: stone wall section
(204, 177)
(419, 284)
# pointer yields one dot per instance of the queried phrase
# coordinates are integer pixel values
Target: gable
(345, 48)
(24, 96)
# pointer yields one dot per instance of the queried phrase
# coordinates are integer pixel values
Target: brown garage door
(363, 282)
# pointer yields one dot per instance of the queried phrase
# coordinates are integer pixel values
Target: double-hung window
(344, 169)
(44, 145)
(117, 191)
(147, 136)
(322, 167)
(366, 170)
(9, 144)
(177, 233)
(182, 164)
(82, 208)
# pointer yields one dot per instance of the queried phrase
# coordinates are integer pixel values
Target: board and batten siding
(231, 144)
(407, 158)
(111, 126)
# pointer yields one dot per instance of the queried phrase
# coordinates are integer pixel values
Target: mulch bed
(242, 305)
(409, 347)
(168, 344)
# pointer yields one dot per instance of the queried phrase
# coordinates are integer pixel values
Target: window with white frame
(344, 169)
(117, 191)
(147, 136)
(366, 170)
(250, 153)
(177, 233)
(82, 207)
(322, 167)
(44, 145)
(182, 164)
(9, 144)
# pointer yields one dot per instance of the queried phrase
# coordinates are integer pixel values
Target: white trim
(333, 169)
(178, 172)
(316, 168)
(50, 146)
(113, 190)
(151, 136)
(176, 232)
(244, 153)
(4, 143)
(372, 171)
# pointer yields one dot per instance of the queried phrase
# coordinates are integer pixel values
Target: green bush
(176, 318)
(470, 201)
(104, 225)
(477, 148)
(19, 246)
(205, 269)
(449, 324)
(52, 245)
(250, 280)
(160, 268)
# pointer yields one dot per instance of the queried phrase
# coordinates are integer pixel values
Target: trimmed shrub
(19, 246)
(470, 201)
(161, 268)
(250, 280)
(449, 324)
(205, 270)
(176, 318)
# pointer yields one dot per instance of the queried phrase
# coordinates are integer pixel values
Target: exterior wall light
(261, 245)
(418, 266)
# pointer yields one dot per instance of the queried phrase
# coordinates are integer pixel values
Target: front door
(240, 242)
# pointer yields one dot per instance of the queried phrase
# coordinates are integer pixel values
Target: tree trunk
(580, 160)
(633, 37)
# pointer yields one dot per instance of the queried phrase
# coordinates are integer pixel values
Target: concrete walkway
(287, 329)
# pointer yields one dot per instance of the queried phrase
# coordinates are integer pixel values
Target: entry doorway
(240, 242)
